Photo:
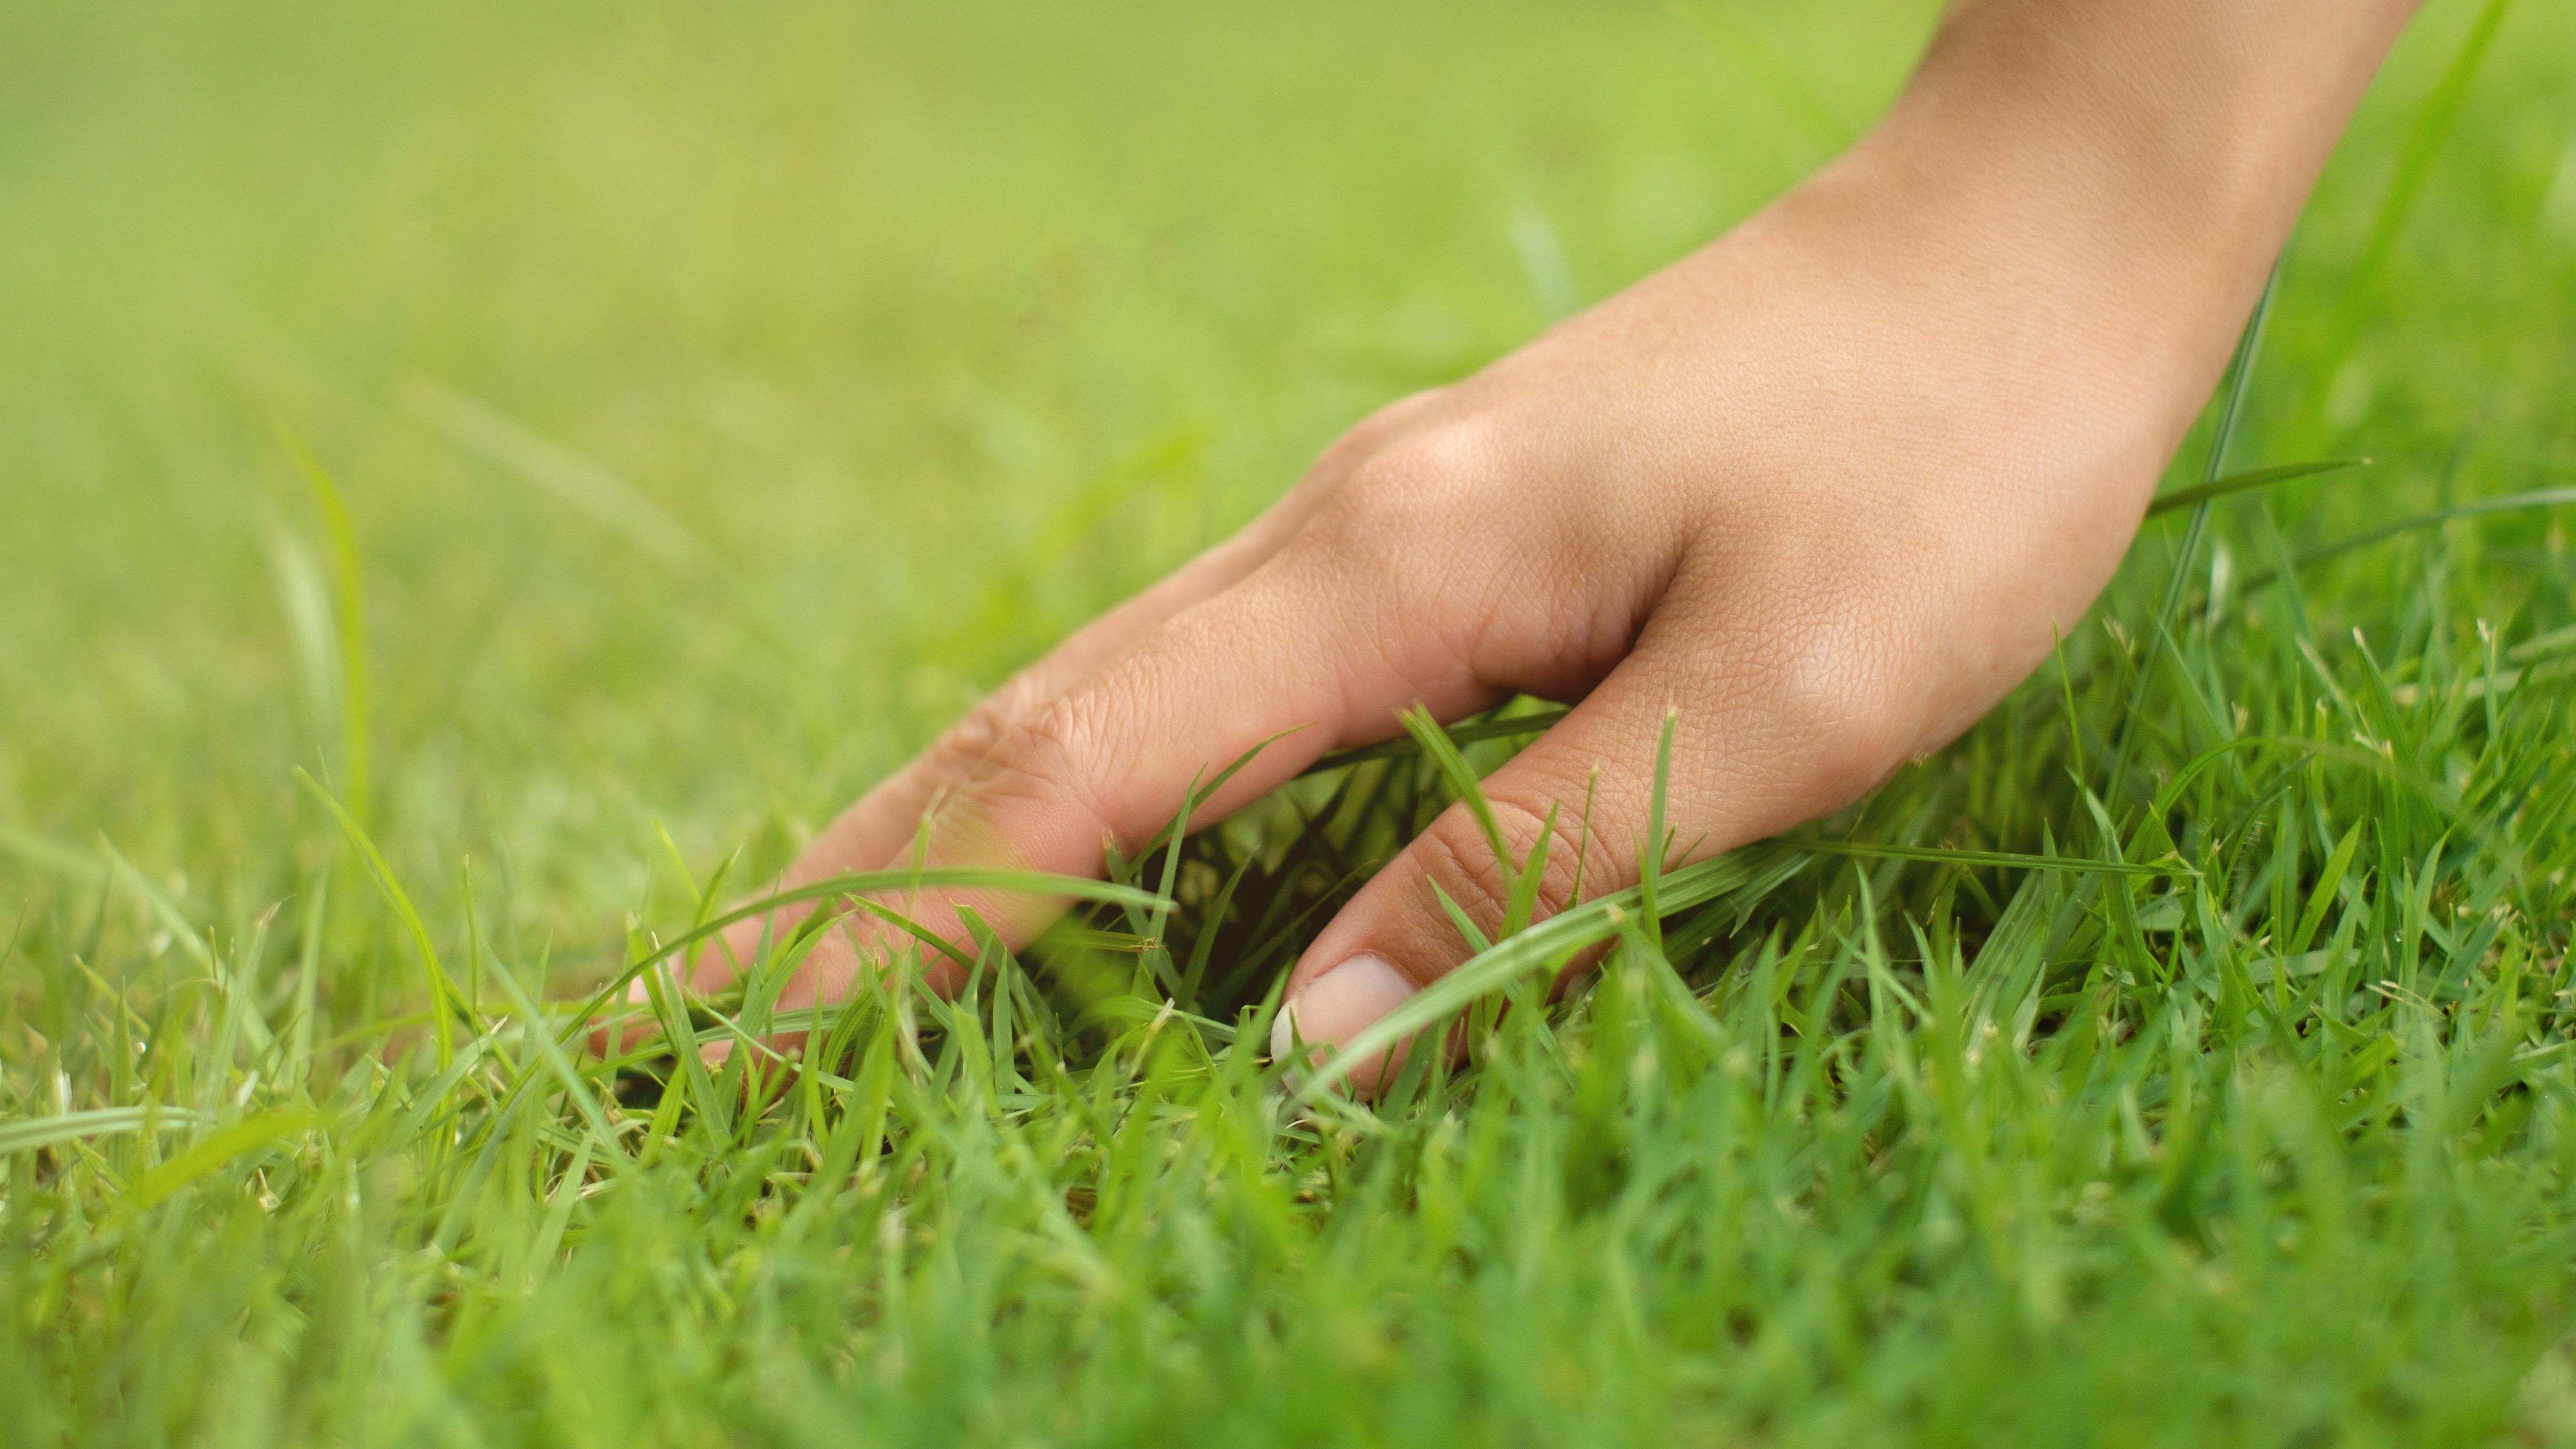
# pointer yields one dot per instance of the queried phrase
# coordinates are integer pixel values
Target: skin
(1828, 488)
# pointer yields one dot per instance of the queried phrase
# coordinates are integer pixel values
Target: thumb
(1737, 775)
(1272, 672)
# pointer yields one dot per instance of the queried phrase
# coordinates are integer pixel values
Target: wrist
(2006, 237)
(2197, 123)
(2124, 172)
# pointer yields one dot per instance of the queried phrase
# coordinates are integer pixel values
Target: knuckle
(1394, 520)
(1525, 825)
(1432, 457)
(972, 738)
(1455, 856)
(1455, 860)
(1046, 760)
(983, 728)
(1373, 432)
(1421, 474)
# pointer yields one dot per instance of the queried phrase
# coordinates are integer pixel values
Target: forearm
(2176, 140)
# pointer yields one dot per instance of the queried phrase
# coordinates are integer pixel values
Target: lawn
(480, 483)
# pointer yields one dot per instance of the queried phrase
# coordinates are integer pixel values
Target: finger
(879, 830)
(1297, 660)
(875, 832)
(1756, 749)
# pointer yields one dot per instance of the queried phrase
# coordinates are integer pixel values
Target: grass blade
(2255, 478)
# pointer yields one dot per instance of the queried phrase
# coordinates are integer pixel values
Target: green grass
(704, 402)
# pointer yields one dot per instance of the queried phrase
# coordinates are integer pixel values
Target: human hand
(1828, 488)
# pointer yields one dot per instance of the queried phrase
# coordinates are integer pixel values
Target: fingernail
(1340, 1004)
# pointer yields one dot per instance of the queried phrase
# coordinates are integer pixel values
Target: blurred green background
(724, 394)
(728, 393)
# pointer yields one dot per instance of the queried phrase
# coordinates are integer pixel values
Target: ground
(468, 473)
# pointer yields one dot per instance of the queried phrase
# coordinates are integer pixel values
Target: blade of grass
(2240, 374)
(248, 1135)
(443, 997)
(36, 1132)
(2441, 111)
(551, 1053)
(349, 622)
(1538, 947)
(2240, 482)
(1435, 743)
(1650, 860)
(2003, 859)
(1519, 726)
